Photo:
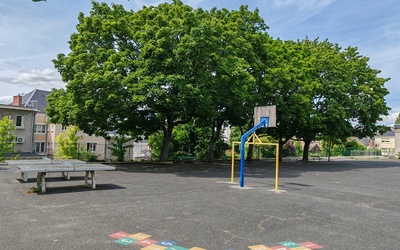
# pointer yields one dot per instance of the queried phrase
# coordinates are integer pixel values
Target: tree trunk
(329, 151)
(166, 140)
(250, 151)
(281, 143)
(305, 149)
(211, 145)
(215, 135)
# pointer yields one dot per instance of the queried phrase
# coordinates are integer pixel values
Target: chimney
(17, 101)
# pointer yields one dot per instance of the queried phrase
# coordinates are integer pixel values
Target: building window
(40, 128)
(40, 147)
(63, 127)
(19, 121)
(91, 146)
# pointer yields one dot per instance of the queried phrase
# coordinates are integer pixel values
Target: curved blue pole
(243, 139)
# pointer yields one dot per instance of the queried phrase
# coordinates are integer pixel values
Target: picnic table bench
(63, 167)
(316, 158)
(183, 158)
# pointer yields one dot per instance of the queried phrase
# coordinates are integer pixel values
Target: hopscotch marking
(144, 240)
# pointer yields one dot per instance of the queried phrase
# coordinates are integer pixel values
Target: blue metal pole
(243, 139)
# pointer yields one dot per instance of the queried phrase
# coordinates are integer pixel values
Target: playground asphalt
(343, 204)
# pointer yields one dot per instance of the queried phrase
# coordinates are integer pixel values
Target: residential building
(37, 100)
(397, 140)
(43, 140)
(386, 142)
(24, 121)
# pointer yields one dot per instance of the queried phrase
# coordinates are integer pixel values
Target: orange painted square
(139, 236)
(259, 247)
(280, 248)
(153, 247)
(146, 242)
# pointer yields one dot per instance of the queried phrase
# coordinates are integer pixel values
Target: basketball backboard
(263, 112)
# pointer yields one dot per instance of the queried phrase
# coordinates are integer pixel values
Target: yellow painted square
(300, 248)
(153, 247)
(259, 247)
(139, 236)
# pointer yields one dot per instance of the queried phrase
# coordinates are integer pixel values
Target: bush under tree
(7, 139)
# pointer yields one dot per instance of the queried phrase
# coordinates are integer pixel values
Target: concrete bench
(43, 161)
(64, 169)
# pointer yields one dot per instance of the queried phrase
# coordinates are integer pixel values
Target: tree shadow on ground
(80, 188)
(255, 169)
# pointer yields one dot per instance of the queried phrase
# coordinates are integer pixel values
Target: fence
(368, 152)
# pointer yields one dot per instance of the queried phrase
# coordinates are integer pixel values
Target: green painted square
(176, 248)
(125, 241)
(289, 244)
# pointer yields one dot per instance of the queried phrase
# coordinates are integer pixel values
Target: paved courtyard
(342, 204)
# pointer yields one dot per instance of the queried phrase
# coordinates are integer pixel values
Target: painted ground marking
(144, 240)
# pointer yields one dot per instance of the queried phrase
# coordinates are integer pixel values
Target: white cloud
(43, 79)
(390, 119)
(5, 99)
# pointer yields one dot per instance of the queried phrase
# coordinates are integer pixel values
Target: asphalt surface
(342, 204)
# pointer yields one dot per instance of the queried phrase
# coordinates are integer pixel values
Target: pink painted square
(119, 235)
(311, 245)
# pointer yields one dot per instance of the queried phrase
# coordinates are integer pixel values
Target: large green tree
(146, 72)
(103, 54)
(230, 39)
(322, 90)
(282, 86)
(348, 96)
(151, 70)
(124, 73)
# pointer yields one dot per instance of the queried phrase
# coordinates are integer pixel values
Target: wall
(24, 132)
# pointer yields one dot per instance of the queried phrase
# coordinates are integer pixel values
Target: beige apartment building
(94, 144)
(386, 142)
(43, 135)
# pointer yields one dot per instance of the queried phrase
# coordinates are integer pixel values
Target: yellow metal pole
(233, 162)
(277, 168)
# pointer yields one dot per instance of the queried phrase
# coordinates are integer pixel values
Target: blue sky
(32, 34)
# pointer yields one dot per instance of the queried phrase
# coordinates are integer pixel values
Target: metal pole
(242, 146)
(277, 168)
(233, 162)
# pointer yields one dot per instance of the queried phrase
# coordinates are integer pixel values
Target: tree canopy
(151, 70)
